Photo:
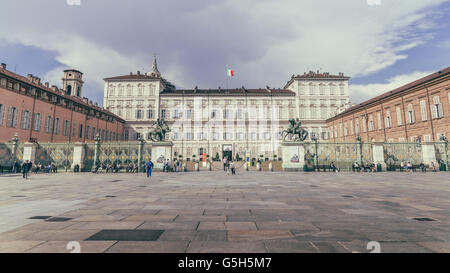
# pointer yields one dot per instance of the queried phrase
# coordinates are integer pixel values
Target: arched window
(78, 91)
(129, 90)
(112, 90)
(69, 90)
(120, 90)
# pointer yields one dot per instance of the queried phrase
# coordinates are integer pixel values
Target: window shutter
(441, 110)
(423, 110)
(434, 111)
(15, 117)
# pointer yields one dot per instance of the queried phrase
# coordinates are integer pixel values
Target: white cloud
(264, 41)
(359, 92)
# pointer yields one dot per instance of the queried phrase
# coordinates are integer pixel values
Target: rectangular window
(37, 122)
(423, 110)
(80, 131)
(25, 124)
(88, 131)
(48, 124)
(138, 114)
(2, 114)
(188, 114)
(436, 108)
(163, 113)
(379, 120)
(66, 128)
(12, 117)
(74, 129)
(399, 116)
(56, 131)
(149, 113)
(410, 114)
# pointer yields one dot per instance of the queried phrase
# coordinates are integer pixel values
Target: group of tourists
(228, 166)
(28, 167)
(368, 167)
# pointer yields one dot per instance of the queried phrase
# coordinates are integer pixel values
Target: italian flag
(230, 72)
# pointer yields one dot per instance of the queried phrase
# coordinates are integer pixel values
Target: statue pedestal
(161, 151)
(293, 156)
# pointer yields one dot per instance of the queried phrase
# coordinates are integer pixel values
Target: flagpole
(226, 76)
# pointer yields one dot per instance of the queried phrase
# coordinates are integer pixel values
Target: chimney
(86, 100)
(37, 80)
(55, 88)
(30, 77)
(3, 65)
(47, 84)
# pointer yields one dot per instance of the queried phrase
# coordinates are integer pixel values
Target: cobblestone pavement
(254, 212)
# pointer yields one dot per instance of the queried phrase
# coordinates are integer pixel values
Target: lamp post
(445, 142)
(316, 148)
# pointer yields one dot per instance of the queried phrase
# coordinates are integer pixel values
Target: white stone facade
(247, 122)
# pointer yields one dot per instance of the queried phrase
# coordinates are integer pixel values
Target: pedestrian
(148, 167)
(333, 167)
(224, 160)
(25, 169)
(233, 169)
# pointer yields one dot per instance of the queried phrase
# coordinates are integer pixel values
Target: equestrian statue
(159, 131)
(295, 130)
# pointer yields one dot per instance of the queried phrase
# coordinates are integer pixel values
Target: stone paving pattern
(252, 212)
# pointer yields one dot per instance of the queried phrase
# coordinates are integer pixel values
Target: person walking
(224, 161)
(25, 169)
(233, 168)
(148, 167)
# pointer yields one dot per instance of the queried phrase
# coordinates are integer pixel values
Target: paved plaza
(257, 212)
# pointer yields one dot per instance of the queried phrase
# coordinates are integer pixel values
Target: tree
(238, 158)
(217, 158)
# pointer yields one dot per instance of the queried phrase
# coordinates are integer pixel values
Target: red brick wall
(22, 102)
(430, 128)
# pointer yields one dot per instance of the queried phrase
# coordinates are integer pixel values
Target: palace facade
(233, 122)
(37, 112)
(418, 111)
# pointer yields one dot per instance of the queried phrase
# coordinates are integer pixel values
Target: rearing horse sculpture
(295, 130)
(159, 131)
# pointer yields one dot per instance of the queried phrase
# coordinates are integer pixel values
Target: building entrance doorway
(227, 151)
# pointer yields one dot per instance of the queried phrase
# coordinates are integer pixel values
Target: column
(96, 151)
(378, 154)
(78, 155)
(140, 149)
(29, 151)
(428, 153)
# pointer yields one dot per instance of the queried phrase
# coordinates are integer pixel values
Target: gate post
(444, 159)
(428, 153)
(96, 151)
(15, 141)
(359, 154)
(29, 152)
(378, 154)
(140, 149)
(78, 155)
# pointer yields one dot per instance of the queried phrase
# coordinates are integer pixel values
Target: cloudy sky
(265, 41)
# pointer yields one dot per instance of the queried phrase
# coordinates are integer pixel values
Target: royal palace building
(237, 122)
(38, 112)
(416, 112)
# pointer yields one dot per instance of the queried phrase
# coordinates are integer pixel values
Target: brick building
(38, 112)
(418, 110)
